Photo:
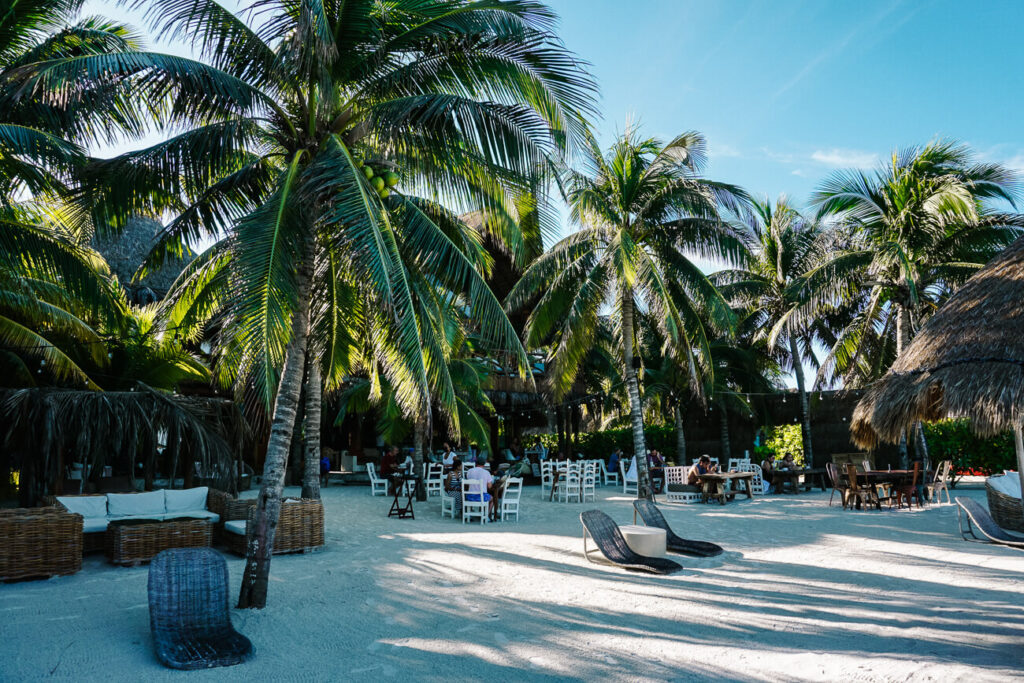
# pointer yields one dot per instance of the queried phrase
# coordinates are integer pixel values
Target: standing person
(453, 485)
(481, 474)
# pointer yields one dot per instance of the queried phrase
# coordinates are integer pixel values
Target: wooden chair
(837, 484)
(907, 492)
(866, 495)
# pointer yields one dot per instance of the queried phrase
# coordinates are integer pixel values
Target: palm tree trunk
(311, 458)
(256, 576)
(1018, 445)
(805, 410)
(680, 437)
(902, 341)
(643, 488)
(726, 451)
(418, 437)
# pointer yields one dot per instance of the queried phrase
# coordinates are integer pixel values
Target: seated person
(479, 473)
(389, 461)
(788, 463)
(448, 456)
(613, 461)
(325, 468)
(767, 470)
(656, 465)
(703, 466)
(453, 485)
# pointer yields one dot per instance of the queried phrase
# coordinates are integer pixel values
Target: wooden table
(714, 484)
(397, 508)
(780, 477)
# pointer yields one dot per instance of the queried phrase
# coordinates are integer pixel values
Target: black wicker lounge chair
(188, 611)
(652, 516)
(612, 545)
(978, 518)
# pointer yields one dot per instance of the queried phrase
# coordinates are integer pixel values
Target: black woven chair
(612, 545)
(977, 518)
(188, 611)
(652, 516)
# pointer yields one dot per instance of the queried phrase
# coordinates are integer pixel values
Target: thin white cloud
(845, 158)
(1016, 162)
(722, 150)
(799, 172)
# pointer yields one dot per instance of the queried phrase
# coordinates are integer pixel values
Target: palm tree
(781, 247)
(917, 229)
(289, 122)
(55, 292)
(640, 206)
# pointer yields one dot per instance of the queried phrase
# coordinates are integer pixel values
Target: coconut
(378, 183)
(391, 178)
(368, 171)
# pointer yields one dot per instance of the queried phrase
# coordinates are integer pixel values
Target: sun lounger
(612, 545)
(188, 611)
(977, 518)
(652, 516)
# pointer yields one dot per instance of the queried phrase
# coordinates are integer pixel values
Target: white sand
(804, 592)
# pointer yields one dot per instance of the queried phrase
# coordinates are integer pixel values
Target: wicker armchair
(1005, 509)
(39, 542)
(300, 527)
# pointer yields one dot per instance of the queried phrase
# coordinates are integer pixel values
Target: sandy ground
(803, 592)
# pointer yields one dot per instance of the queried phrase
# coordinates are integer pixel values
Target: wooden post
(1018, 442)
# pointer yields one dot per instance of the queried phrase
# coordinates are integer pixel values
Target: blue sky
(787, 91)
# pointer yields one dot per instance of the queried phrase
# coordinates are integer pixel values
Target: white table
(645, 540)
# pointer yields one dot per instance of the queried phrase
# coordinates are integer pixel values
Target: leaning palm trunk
(680, 437)
(256, 576)
(311, 454)
(643, 488)
(805, 410)
(726, 450)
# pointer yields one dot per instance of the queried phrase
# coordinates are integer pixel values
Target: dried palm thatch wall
(966, 362)
(44, 430)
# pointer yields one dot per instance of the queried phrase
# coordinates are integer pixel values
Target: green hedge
(783, 440)
(954, 440)
(601, 444)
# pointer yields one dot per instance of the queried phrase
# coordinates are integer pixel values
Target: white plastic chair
(608, 475)
(547, 479)
(474, 508)
(510, 499)
(757, 485)
(676, 476)
(447, 505)
(587, 487)
(629, 486)
(375, 481)
(738, 464)
(435, 480)
(568, 487)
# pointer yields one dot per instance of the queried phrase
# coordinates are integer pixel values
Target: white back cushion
(186, 500)
(135, 504)
(87, 506)
(1008, 484)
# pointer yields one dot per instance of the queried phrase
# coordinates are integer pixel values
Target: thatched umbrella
(966, 362)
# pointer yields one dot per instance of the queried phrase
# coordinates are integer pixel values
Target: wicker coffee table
(131, 541)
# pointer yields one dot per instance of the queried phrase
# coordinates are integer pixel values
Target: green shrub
(783, 440)
(601, 444)
(971, 454)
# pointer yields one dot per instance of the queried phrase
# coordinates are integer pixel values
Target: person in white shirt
(448, 456)
(479, 473)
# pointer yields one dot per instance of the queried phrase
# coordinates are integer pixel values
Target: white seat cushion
(150, 504)
(1007, 483)
(186, 499)
(196, 514)
(235, 526)
(92, 525)
(87, 506)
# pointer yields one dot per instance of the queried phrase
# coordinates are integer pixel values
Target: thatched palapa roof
(966, 362)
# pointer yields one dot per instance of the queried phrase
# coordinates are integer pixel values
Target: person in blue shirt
(613, 460)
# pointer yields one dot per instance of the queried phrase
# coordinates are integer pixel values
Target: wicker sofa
(39, 542)
(98, 511)
(300, 527)
(1004, 501)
